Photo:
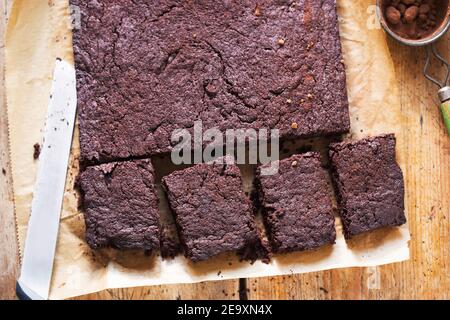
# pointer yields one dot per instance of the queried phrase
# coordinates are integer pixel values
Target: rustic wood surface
(425, 276)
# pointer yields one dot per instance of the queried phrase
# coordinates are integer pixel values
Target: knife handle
(445, 109)
(444, 97)
(20, 293)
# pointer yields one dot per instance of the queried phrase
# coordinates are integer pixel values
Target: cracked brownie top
(369, 183)
(145, 68)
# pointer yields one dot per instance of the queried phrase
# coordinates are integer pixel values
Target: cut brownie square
(212, 212)
(369, 184)
(146, 68)
(121, 205)
(296, 204)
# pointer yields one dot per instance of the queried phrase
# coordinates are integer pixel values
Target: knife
(40, 243)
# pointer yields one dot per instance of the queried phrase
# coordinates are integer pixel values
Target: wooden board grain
(215, 290)
(425, 276)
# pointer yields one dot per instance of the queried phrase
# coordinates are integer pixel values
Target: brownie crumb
(258, 248)
(37, 151)
(323, 289)
(170, 247)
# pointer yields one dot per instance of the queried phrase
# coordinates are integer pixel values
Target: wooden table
(424, 276)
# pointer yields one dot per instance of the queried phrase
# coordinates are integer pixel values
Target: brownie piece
(146, 68)
(296, 204)
(121, 205)
(212, 212)
(369, 184)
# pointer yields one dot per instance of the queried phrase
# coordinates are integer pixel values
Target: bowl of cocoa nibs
(414, 22)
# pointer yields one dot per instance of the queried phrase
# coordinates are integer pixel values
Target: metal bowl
(411, 42)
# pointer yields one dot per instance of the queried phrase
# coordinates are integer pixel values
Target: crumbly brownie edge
(182, 240)
(169, 246)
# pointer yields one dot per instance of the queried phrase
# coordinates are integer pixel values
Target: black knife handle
(20, 293)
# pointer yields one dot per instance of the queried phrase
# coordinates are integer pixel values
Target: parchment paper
(39, 32)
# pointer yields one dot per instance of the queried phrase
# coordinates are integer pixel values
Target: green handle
(445, 108)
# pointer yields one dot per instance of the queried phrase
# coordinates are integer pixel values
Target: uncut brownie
(121, 205)
(147, 68)
(212, 212)
(296, 204)
(369, 183)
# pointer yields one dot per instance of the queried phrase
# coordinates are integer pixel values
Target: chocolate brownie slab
(145, 68)
(212, 212)
(296, 204)
(121, 205)
(369, 183)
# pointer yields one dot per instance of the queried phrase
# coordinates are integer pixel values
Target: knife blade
(43, 225)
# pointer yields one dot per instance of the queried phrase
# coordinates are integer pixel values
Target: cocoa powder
(415, 19)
